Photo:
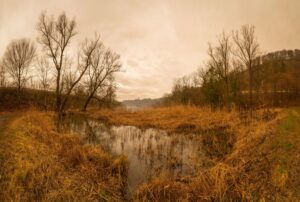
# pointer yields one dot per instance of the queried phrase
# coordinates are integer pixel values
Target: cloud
(158, 40)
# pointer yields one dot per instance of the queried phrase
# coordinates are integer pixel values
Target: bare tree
(247, 50)
(220, 60)
(85, 60)
(55, 36)
(44, 74)
(101, 72)
(17, 59)
(106, 94)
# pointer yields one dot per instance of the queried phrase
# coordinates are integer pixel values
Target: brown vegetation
(38, 164)
(55, 36)
(237, 75)
(259, 160)
(251, 172)
(251, 157)
(173, 119)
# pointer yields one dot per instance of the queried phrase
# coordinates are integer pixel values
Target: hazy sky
(158, 40)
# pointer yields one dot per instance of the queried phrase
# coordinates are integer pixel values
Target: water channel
(151, 152)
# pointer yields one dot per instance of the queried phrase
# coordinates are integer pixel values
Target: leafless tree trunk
(17, 59)
(55, 36)
(101, 72)
(89, 49)
(107, 95)
(247, 50)
(220, 59)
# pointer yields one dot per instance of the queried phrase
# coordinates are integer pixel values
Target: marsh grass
(259, 161)
(172, 119)
(42, 165)
(250, 159)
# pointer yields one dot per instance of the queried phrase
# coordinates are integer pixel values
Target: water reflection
(150, 152)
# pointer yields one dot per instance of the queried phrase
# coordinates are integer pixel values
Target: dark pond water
(150, 152)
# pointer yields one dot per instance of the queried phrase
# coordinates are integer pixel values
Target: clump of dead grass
(220, 183)
(43, 165)
(172, 119)
(251, 171)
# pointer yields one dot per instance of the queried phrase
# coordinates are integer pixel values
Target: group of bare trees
(229, 59)
(247, 52)
(93, 70)
(237, 74)
(220, 62)
(234, 55)
(103, 65)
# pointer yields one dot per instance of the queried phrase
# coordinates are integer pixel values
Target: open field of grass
(260, 158)
(39, 164)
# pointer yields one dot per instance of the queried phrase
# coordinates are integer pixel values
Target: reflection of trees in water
(90, 132)
(151, 152)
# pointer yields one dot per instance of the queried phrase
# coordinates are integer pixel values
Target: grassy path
(286, 146)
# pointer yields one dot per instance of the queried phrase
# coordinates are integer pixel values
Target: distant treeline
(45, 100)
(275, 83)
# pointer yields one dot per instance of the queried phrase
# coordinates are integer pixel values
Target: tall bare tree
(17, 59)
(220, 60)
(101, 72)
(55, 36)
(85, 61)
(247, 50)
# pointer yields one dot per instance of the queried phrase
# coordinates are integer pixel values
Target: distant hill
(275, 83)
(142, 103)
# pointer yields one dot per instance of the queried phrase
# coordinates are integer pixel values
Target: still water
(150, 152)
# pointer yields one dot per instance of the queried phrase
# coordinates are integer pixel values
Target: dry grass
(263, 164)
(173, 119)
(41, 165)
(218, 128)
(258, 160)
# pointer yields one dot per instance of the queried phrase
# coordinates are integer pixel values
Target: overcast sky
(158, 40)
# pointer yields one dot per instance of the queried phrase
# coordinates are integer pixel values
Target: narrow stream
(150, 152)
